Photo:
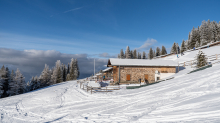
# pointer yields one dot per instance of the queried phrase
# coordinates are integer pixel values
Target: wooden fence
(212, 58)
(97, 89)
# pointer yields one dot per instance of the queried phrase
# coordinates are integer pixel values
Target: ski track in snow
(190, 98)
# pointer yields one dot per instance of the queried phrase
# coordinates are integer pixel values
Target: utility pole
(94, 66)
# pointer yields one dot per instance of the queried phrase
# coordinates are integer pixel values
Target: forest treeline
(13, 83)
(207, 32)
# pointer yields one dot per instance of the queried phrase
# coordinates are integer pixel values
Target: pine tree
(19, 78)
(163, 51)
(135, 54)
(45, 76)
(154, 53)
(150, 54)
(76, 69)
(173, 49)
(59, 75)
(64, 73)
(1, 86)
(182, 47)
(4, 74)
(139, 55)
(72, 67)
(201, 59)
(128, 53)
(122, 56)
(54, 76)
(157, 51)
(204, 32)
(177, 48)
(68, 77)
(13, 85)
(144, 55)
(68, 69)
(132, 54)
(197, 44)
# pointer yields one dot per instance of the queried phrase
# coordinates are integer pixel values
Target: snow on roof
(107, 69)
(140, 62)
(98, 74)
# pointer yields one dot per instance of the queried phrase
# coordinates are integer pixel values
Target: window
(128, 77)
(158, 78)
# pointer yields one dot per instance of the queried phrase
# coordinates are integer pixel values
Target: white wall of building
(163, 75)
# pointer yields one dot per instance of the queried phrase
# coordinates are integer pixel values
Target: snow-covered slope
(186, 98)
(191, 55)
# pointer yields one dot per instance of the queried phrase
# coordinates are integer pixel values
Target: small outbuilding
(108, 73)
(135, 70)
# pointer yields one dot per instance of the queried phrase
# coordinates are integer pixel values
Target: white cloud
(106, 55)
(147, 44)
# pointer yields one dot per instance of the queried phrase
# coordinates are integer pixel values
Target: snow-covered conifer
(154, 53)
(1, 86)
(177, 48)
(68, 77)
(163, 51)
(13, 85)
(135, 54)
(19, 78)
(59, 75)
(132, 54)
(201, 59)
(173, 49)
(54, 75)
(68, 69)
(157, 51)
(64, 73)
(139, 55)
(144, 55)
(128, 53)
(122, 56)
(150, 54)
(197, 44)
(45, 76)
(182, 47)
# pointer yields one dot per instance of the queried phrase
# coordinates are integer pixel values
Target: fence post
(80, 85)
(184, 64)
(83, 86)
(106, 89)
(216, 56)
(87, 88)
(178, 67)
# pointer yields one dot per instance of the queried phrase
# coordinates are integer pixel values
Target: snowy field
(186, 98)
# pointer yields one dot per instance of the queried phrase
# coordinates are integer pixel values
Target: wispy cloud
(147, 44)
(73, 9)
(68, 11)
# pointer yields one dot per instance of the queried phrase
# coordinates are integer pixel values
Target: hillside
(186, 98)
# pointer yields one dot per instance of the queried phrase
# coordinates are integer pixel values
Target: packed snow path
(186, 98)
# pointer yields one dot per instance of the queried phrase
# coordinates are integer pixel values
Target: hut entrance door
(146, 78)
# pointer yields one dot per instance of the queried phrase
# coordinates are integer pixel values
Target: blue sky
(95, 27)
(38, 32)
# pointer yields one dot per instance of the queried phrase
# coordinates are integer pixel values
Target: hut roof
(107, 69)
(140, 62)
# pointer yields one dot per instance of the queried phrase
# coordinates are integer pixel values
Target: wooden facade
(135, 73)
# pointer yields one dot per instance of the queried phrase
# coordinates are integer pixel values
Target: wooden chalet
(133, 70)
